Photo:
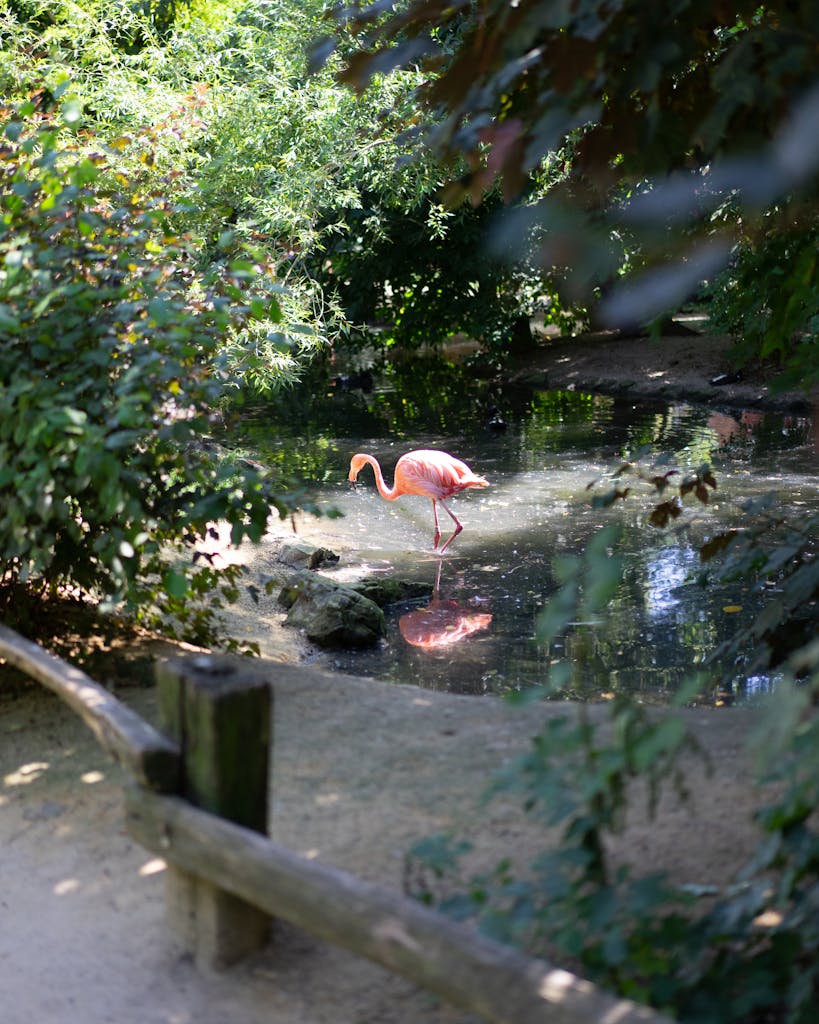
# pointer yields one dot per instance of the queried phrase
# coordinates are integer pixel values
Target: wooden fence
(198, 796)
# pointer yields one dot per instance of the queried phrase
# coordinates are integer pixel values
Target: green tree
(107, 364)
(677, 132)
(222, 110)
(402, 268)
(175, 116)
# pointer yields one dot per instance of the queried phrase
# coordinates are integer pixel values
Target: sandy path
(360, 773)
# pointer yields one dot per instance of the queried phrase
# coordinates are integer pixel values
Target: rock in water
(298, 554)
(331, 614)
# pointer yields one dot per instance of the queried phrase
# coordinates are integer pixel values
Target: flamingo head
(356, 464)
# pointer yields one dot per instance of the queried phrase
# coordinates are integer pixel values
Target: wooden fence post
(218, 710)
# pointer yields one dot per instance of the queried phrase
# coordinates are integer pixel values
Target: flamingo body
(432, 474)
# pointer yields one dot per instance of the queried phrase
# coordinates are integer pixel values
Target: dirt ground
(360, 772)
(675, 366)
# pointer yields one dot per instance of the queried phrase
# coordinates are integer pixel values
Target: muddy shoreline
(672, 367)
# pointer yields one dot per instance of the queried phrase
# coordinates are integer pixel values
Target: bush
(746, 954)
(106, 365)
(405, 269)
(769, 300)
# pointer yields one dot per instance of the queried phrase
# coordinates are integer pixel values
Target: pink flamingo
(432, 474)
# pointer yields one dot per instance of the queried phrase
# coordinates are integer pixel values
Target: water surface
(540, 450)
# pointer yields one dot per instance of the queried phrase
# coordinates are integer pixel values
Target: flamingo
(432, 474)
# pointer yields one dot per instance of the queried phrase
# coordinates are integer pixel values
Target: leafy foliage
(647, 92)
(404, 269)
(311, 177)
(777, 552)
(769, 300)
(772, 548)
(174, 114)
(107, 378)
(353, 225)
(658, 479)
(745, 954)
(652, 115)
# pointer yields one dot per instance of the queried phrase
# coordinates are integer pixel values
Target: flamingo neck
(390, 493)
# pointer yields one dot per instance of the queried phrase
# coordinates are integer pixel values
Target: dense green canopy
(672, 138)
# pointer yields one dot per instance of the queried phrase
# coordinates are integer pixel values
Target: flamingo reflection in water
(442, 623)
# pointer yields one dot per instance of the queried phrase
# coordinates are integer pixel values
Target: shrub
(769, 300)
(107, 371)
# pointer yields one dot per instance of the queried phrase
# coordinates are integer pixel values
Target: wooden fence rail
(463, 966)
(227, 879)
(149, 756)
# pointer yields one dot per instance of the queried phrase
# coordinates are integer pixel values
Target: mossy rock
(303, 555)
(331, 614)
(384, 590)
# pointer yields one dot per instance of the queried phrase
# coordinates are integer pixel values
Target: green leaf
(13, 130)
(71, 111)
(656, 741)
(85, 172)
(9, 321)
(175, 584)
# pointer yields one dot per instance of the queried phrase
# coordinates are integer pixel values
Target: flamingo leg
(457, 530)
(437, 527)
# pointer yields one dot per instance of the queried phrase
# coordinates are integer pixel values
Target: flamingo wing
(434, 474)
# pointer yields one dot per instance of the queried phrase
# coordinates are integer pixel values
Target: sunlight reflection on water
(666, 572)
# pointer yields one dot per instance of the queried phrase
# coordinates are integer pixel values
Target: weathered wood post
(218, 711)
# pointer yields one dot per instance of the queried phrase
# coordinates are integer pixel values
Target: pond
(540, 450)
